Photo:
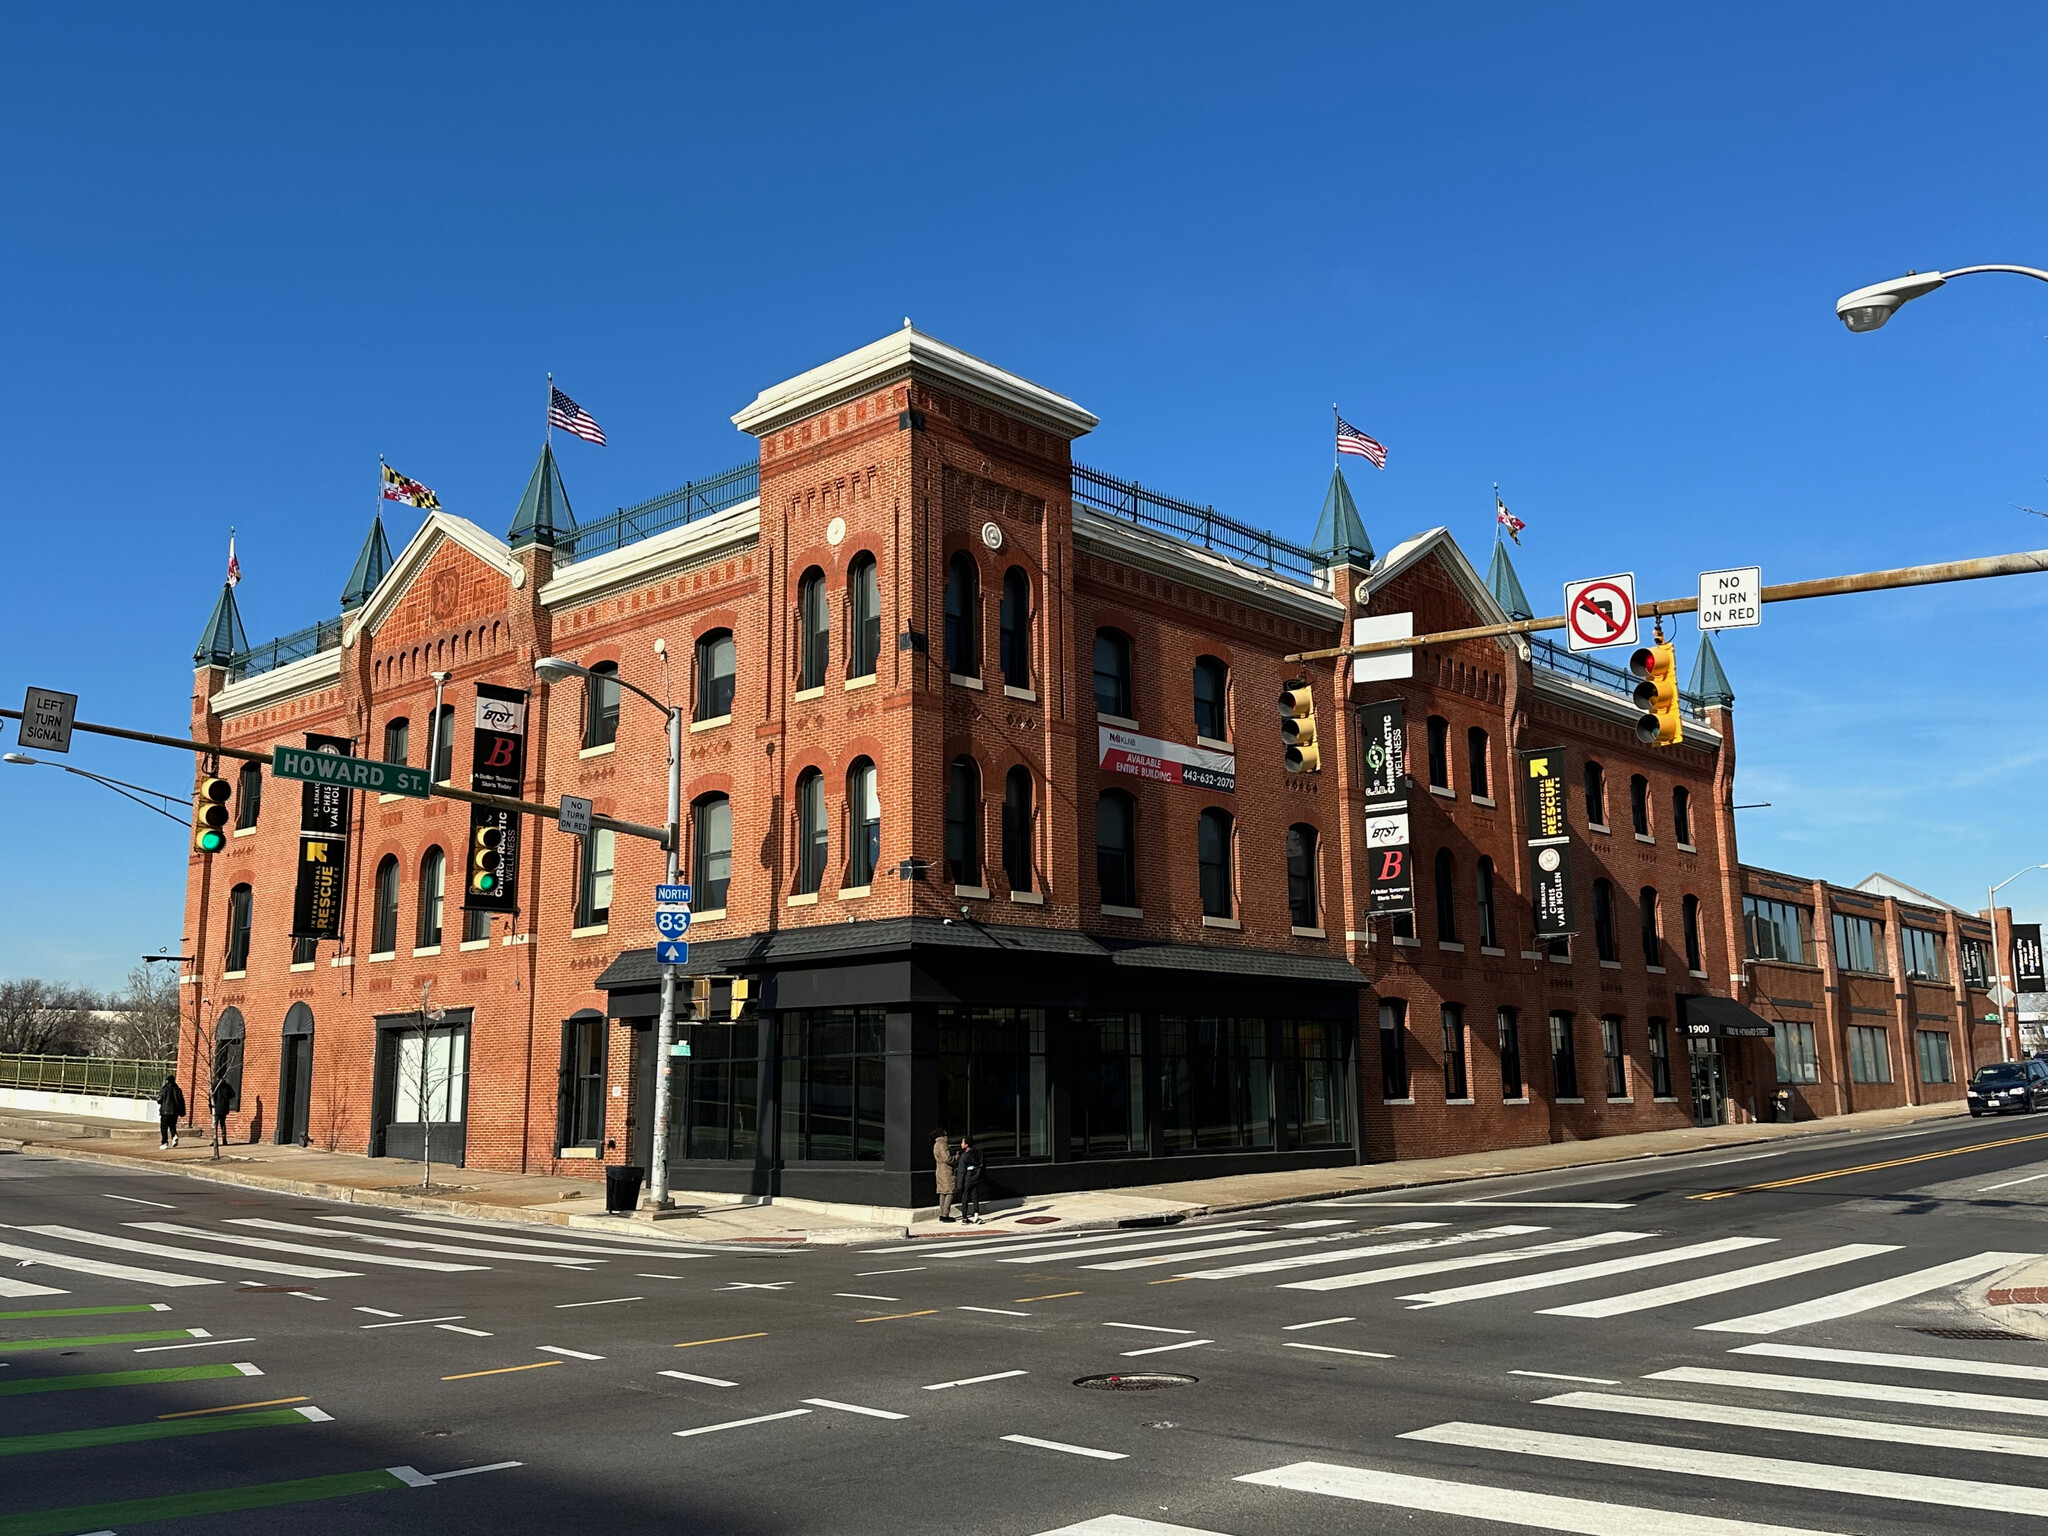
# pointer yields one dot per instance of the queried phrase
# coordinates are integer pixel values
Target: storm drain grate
(1136, 1381)
(1974, 1333)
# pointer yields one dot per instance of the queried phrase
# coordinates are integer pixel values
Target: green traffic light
(486, 882)
(210, 840)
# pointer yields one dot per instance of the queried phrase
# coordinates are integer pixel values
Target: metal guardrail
(297, 646)
(1553, 657)
(685, 504)
(1191, 524)
(127, 1078)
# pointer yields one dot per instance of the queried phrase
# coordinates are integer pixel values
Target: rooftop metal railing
(685, 504)
(297, 646)
(1553, 657)
(1130, 501)
(125, 1078)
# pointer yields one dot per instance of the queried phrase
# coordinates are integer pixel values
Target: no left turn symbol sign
(1600, 612)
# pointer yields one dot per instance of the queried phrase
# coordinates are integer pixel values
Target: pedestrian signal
(210, 815)
(1657, 695)
(484, 857)
(1298, 727)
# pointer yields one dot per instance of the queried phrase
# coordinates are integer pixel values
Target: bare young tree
(44, 1018)
(147, 1019)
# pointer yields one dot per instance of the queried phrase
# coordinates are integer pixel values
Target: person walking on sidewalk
(970, 1182)
(170, 1109)
(942, 1163)
(222, 1102)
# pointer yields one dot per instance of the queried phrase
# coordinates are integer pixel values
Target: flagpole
(1496, 512)
(548, 415)
(1336, 458)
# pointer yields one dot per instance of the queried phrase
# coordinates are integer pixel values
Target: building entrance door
(295, 1077)
(1709, 1083)
(422, 1091)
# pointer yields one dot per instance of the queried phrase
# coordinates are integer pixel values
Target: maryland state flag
(400, 488)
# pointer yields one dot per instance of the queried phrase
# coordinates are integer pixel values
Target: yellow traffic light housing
(1656, 695)
(742, 998)
(210, 815)
(1298, 727)
(484, 858)
(699, 1002)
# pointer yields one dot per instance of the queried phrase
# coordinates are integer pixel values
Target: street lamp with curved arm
(1868, 308)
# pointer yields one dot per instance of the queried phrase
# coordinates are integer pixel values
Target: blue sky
(1589, 252)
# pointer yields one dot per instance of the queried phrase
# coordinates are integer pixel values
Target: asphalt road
(1709, 1345)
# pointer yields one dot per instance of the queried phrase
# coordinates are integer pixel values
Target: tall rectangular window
(1489, 932)
(1509, 1023)
(1106, 1065)
(711, 852)
(1478, 774)
(1455, 1084)
(1439, 752)
(1564, 1057)
(1215, 1091)
(1660, 1059)
(1393, 1048)
(1870, 1055)
(594, 887)
(717, 1094)
(1934, 1057)
(1797, 1062)
(1859, 946)
(1926, 954)
(1775, 930)
(994, 1083)
(241, 908)
(1316, 1089)
(397, 740)
(1690, 912)
(1603, 921)
(833, 1089)
(1976, 962)
(583, 1043)
(1611, 1053)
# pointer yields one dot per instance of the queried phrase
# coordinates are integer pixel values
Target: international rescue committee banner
(1167, 762)
(323, 850)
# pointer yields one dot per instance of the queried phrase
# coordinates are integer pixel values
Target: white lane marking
(864, 1296)
(573, 1354)
(379, 1312)
(705, 1381)
(1730, 1162)
(157, 1349)
(1597, 1381)
(1153, 1260)
(132, 1200)
(609, 1301)
(1148, 1328)
(974, 1381)
(1332, 1349)
(1864, 1391)
(2012, 1183)
(1160, 1349)
(1061, 1445)
(474, 1333)
(316, 1415)
(765, 1418)
(1746, 1417)
(1502, 1204)
(101, 1268)
(247, 1369)
(1326, 1221)
(199, 1333)
(306, 1296)
(1372, 1250)
(273, 1245)
(928, 1247)
(263, 1223)
(412, 1477)
(1544, 1279)
(867, 1273)
(1908, 1487)
(1321, 1322)
(999, 1311)
(873, 1413)
(1113, 1525)
(1466, 1261)
(748, 1285)
(414, 1322)
(1948, 1364)
(568, 1245)
(1094, 1250)
(1505, 1506)
(489, 1466)
(1865, 1297)
(670, 1277)
(122, 1244)
(22, 1288)
(1711, 1285)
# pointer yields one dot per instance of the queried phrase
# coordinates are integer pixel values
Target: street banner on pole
(2027, 974)
(1600, 612)
(1550, 839)
(323, 849)
(1390, 867)
(497, 766)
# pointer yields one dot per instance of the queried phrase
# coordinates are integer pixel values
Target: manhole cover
(1974, 1333)
(1136, 1381)
(1035, 1221)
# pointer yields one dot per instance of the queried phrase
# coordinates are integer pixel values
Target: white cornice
(1163, 556)
(296, 677)
(439, 526)
(911, 352)
(637, 564)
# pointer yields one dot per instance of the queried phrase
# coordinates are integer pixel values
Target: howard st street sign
(350, 772)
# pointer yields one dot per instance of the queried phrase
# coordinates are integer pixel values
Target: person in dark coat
(222, 1103)
(170, 1109)
(970, 1181)
(942, 1163)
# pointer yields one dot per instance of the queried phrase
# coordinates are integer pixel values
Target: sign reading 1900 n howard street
(2027, 974)
(1550, 839)
(1167, 762)
(323, 849)
(497, 766)
(1390, 863)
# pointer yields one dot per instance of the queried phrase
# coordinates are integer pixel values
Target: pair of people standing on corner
(959, 1177)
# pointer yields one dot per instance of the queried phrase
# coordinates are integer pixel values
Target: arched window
(1690, 908)
(1116, 848)
(248, 794)
(1596, 796)
(864, 823)
(1489, 926)
(1303, 910)
(814, 630)
(1017, 827)
(1212, 850)
(1212, 695)
(384, 907)
(1603, 920)
(963, 821)
(1015, 636)
(1646, 903)
(397, 739)
(1446, 897)
(1479, 773)
(716, 666)
(1439, 752)
(811, 833)
(241, 913)
(711, 852)
(1113, 673)
(864, 617)
(1639, 804)
(444, 738)
(963, 616)
(433, 886)
(594, 879)
(601, 705)
(1681, 814)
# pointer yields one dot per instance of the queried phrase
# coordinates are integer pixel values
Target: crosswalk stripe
(264, 1224)
(1096, 1250)
(1866, 1482)
(276, 1245)
(1150, 1260)
(1711, 1285)
(1039, 1239)
(1543, 1279)
(1346, 1255)
(1689, 1411)
(1125, 1525)
(101, 1268)
(1465, 1261)
(1866, 1297)
(1505, 1506)
(1862, 1391)
(24, 1288)
(1947, 1364)
(572, 1245)
(166, 1251)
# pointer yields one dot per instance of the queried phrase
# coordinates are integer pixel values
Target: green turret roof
(1340, 532)
(1708, 680)
(544, 514)
(1506, 586)
(222, 639)
(370, 567)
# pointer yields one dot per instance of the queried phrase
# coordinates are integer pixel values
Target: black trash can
(622, 1188)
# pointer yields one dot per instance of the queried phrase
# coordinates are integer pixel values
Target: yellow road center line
(893, 1316)
(1174, 1280)
(730, 1338)
(1896, 1162)
(1055, 1296)
(502, 1370)
(269, 1402)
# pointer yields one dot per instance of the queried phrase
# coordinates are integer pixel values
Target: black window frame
(1395, 1085)
(1639, 804)
(1438, 734)
(1013, 632)
(248, 795)
(241, 924)
(813, 832)
(863, 616)
(589, 872)
(815, 1087)
(1215, 833)
(710, 891)
(397, 740)
(1681, 815)
(1116, 869)
(715, 689)
(1507, 1023)
(1018, 827)
(582, 1102)
(1457, 1078)
(430, 906)
(813, 631)
(1614, 1055)
(963, 615)
(1211, 693)
(863, 831)
(1660, 1058)
(384, 907)
(1595, 779)
(1113, 687)
(1651, 931)
(1444, 885)
(963, 820)
(1489, 913)
(1478, 763)
(601, 699)
(1689, 918)
(1604, 942)
(444, 745)
(1304, 907)
(1564, 1055)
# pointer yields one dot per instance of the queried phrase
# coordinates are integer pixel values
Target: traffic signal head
(210, 815)
(484, 857)
(1298, 727)
(1657, 695)
(699, 996)
(742, 997)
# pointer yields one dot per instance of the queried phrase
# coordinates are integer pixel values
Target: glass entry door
(423, 1086)
(1709, 1083)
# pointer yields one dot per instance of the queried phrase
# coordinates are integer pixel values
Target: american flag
(571, 417)
(1351, 440)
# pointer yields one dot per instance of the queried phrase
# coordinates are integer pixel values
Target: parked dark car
(2020, 1085)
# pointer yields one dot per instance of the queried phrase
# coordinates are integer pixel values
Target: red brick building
(984, 788)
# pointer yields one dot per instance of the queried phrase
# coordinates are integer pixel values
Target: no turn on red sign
(1600, 612)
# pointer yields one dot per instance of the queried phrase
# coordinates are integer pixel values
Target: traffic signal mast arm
(444, 791)
(2025, 563)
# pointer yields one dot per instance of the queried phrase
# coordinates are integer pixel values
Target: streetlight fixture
(559, 669)
(1868, 308)
(120, 787)
(2008, 1013)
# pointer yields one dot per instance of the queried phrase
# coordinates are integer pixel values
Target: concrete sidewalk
(578, 1201)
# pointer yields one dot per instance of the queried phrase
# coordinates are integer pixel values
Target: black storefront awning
(1721, 1018)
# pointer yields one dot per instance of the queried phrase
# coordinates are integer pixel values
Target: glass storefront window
(1215, 1090)
(833, 1098)
(1317, 1091)
(717, 1090)
(1106, 1069)
(994, 1083)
